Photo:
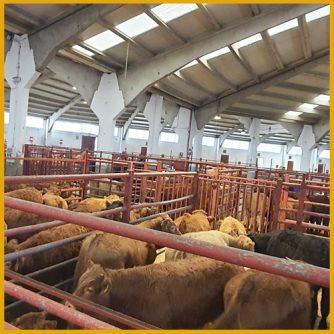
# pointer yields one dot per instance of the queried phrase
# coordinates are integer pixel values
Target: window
(324, 154)
(293, 113)
(168, 12)
(237, 144)
(104, 40)
(317, 14)
(34, 122)
(271, 148)
(283, 27)
(6, 117)
(116, 131)
(169, 137)
(76, 127)
(247, 41)
(137, 25)
(295, 150)
(82, 50)
(138, 134)
(208, 141)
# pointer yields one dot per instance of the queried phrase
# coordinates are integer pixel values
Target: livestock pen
(172, 192)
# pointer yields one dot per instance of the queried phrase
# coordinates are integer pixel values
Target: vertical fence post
(276, 201)
(301, 204)
(195, 189)
(128, 193)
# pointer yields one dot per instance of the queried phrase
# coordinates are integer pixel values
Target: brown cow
(258, 300)
(170, 295)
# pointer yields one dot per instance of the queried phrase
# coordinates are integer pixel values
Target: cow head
(168, 226)
(34, 320)
(94, 285)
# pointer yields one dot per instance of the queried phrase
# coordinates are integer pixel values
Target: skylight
(217, 117)
(283, 27)
(293, 113)
(137, 25)
(104, 40)
(308, 105)
(194, 62)
(82, 50)
(317, 14)
(168, 12)
(247, 41)
(322, 98)
(216, 53)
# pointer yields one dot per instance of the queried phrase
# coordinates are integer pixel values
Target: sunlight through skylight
(168, 12)
(247, 41)
(283, 27)
(194, 62)
(308, 105)
(82, 50)
(317, 14)
(137, 25)
(104, 40)
(216, 53)
(293, 113)
(322, 98)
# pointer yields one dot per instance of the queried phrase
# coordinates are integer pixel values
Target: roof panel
(319, 28)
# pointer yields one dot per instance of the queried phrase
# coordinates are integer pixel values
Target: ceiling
(253, 77)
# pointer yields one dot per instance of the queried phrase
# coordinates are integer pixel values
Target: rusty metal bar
(144, 205)
(139, 220)
(45, 247)
(10, 326)
(303, 272)
(19, 302)
(80, 302)
(73, 316)
(306, 225)
(55, 266)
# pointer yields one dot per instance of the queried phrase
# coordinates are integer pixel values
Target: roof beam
(143, 75)
(244, 63)
(52, 119)
(226, 134)
(287, 97)
(305, 37)
(303, 88)
(48, 41)
(206, 112)
(272, 50)
(119, 33)
(194, 84)
(84, 78)
(215, 24)
(127, 124)
(321, 129)
(204, 63)
(162, 24)
(255, 9)
(265, 137)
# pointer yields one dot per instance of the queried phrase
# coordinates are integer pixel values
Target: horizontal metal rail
(10, 326)
(146, 204)
(80, 302)
(20, 302)
(300, 271)
(73, 316)
(306, 225)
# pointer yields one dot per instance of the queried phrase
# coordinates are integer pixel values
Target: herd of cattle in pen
(175, 289)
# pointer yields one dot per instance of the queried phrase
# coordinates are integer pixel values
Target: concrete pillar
(119, 140)
(254, 131)
(306, 141)
(195, 139)
(181, 126)
(153, 112)
(107, 103)
(20, 73)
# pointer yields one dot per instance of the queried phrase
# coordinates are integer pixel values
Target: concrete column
(181, 126)
(153, 112)
(254, 131)
(107, 103)
(195, 139)
(20, 73)
(306, 141)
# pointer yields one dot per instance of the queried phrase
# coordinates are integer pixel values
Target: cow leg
(314, 306)
(324, 308)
